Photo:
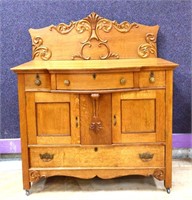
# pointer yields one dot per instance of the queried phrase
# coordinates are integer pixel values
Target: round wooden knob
(37, 82)
(67, 82)
(152, 79)
(122, 81)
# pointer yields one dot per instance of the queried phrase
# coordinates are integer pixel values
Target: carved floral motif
(40, 50)
(34, 176)
(144, 50)
(96, 125)
(92, 23)
(159, 174)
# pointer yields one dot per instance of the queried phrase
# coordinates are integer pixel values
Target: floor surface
(124, 188)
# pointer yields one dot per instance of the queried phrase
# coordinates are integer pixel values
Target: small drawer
(97, 156)
(37, 82)
(152, 79)
(94, 81)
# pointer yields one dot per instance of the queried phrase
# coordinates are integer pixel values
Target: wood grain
(30, 81)
(139, 116)
(107, 116)
(95, 81)
(95, 38)
(88, 136)
(51, 118)
(68, 66)
(96, 156)
(23, 131)
(168, 126)
(145, 82)
(87, 173)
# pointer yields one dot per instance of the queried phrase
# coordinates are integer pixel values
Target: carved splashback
(94, 37)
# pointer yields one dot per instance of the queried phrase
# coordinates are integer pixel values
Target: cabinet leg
(168, 190)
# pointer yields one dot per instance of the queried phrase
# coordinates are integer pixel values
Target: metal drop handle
(152, 77)
(37, 80)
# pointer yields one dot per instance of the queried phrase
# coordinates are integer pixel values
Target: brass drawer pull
(37, 80)
(122, 81)
(46, 157)
(151, 77)
(67, 82)
(145, 157)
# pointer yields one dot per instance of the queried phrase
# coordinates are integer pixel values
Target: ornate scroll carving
(96, 124)
(92, 23)
(34, 176)
(63, 28)
(144, 50)
(81, 55)
(40, 50)
(109, 54)
(159, 174)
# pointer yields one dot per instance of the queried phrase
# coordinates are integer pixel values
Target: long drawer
(97, 156)
(94, 81)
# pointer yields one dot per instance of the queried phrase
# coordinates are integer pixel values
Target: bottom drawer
(100, 156)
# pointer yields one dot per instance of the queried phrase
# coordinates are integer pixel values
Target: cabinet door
(52, 118)
(138, 116)
(95, 115)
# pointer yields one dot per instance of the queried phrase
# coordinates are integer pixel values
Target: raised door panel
(138, 116)
(95, 115)
(53, 118)
(134, 111)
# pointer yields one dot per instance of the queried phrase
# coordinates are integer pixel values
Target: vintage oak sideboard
(95, 101)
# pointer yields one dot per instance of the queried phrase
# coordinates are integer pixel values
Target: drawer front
(37, 82)
(152, 79)
(94, 81)
(100, 156)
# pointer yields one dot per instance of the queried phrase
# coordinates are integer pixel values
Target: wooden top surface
(66, 65)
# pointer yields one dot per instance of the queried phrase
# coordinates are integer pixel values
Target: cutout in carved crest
(38, 50)
(93, 23)
(144, 50)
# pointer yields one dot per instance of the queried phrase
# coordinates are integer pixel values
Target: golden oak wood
(95, 101)
(88, 173)
(69, 66)
(95, 38)
(88, 136)
(23, 131)
(96, 156)
(95, 81)
(168, 125)
(138, 116)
